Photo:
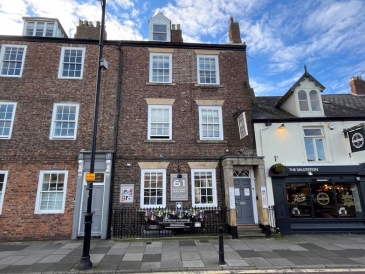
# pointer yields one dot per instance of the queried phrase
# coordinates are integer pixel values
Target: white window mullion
(153, 188)
(203, 188)
(12, 60)
(64, 121)
(71, 63)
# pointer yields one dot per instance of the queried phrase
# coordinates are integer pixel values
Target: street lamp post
(85, 262)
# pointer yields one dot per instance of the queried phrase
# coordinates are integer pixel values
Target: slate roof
(335, 106)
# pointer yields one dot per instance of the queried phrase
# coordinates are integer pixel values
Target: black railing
(130, 222)
(272, 219)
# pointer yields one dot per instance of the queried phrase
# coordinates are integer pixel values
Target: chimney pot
(234, 32)
(86, 23)
(178, 26)
(80, 22)
(231, 19)
(173, 27)
(98, 24)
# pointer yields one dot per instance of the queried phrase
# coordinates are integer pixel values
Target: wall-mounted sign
(179, 187)
(242, 126)
(264, 197)
(94, 177)
(357, 140)
(232, 198)
(126, 193)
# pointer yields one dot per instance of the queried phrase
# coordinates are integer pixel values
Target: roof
(306, 75)
(334, 105)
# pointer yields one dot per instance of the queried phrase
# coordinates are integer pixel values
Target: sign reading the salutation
(242, 126)
(357, 140)
(179, 187)
(90, 177)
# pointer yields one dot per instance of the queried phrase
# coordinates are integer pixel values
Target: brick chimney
(176, 35)
(86, 30)
(357, 85)
(234, 32)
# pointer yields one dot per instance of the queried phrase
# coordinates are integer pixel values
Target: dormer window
(40, 29)
(159, 28)
(160, 33)
(43, 27)
(313, 104)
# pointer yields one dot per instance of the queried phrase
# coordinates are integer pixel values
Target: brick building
(167, 108)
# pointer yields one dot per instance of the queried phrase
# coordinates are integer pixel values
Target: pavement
(326, 252)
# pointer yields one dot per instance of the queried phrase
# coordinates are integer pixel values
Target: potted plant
(278, 168)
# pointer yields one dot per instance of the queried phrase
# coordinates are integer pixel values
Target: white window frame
(160, 32)
(2, 56)
(52, 135)
(309, 102)
(40, 192)
(198, 59)
(62, 63)
(214, 188)
(152, 55)
(159, 137)
(143, 172)
(219, 109)
(34, 28)
(7, 120)
(2, 192)
(314, 145)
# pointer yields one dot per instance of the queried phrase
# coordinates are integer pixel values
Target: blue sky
(281, 35)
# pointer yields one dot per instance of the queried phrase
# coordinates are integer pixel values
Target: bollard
(221, 247)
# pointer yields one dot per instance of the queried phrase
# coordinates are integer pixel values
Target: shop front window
(298, 197)
(324, 200)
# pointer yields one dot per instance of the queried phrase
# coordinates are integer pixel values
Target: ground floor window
(51, 193)
(323, 200)
(153, 188)
(204, 191)
(3, 177)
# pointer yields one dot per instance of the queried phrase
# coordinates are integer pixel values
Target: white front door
(96, 207)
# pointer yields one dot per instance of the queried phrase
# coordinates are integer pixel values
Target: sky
(328, 36)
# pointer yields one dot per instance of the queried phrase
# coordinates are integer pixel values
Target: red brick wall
(357, 85)
(30, 150)
(132, 145)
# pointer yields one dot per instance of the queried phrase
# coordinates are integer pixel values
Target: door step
(249, 231)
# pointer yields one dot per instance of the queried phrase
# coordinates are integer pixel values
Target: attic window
(159, 32)
(309, 101)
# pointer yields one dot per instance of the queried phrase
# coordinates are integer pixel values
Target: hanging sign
(242, 126)
(357, 140)
(179, 187)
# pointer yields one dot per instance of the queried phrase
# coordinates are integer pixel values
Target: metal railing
(131, 222)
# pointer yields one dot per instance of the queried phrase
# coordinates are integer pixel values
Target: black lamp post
(85, 262)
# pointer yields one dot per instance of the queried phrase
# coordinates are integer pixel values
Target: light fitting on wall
(282, 126)
(310, 173)
(268, 123)
(331, 126)
(179, 175)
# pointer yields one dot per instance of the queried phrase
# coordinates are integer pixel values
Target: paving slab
(52, 259)
(171, 256)
(29, 260)
(193, 264)
(190, 256)
(234, 262)
(132, 257)
(171, 264)
(150, 265)
(258, 261)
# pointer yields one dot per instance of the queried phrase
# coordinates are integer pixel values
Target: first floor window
(12, 60)
(324, 200)
(71, 63)
(7, 114)
(314, 144)
(210, 123)
(64, 121)
(208, 70)
(153, 188)
(3, 178)
(204, 192)
(160, 68)
(51, 193)
(159, 122)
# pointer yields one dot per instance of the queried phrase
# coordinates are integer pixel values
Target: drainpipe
(116, 131)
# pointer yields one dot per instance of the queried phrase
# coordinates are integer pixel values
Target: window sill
(159, 141)
(160, 84)
(63, 139)
(211, 141)
(209, 86)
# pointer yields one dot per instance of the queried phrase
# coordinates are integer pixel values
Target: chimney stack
(87, 30)
(357, 85)
(234, 32)
(176, 34)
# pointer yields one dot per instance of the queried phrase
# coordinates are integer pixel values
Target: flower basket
(278, 168)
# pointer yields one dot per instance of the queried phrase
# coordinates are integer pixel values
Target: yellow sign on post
(90, 177)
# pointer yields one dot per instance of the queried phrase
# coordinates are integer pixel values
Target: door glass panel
(323, 197)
